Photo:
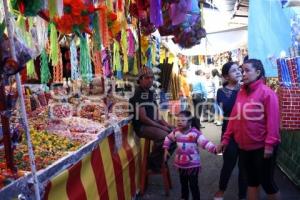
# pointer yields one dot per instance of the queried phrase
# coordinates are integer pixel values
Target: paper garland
(97, 63)
(116, 60)
(53, 45)
(58, 70)
(96, 35)
(85, 60)
(124, 45)
(104, 26)
(45, 72)
(74, 61)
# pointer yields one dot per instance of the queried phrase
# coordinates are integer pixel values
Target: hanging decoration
(45, 72)
(97, 63)
(117, 60)
(156, 16)
(54, 48)
(106, 60)
(42, 32)
(124, 45)
(96, 34)
(28, 8)
(60, 8)
(85, 60)
(131, 44)
(52, 8)
(103, 26)
(74, 61)
(135, 70)
(58, 70)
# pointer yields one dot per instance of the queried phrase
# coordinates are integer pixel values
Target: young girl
(187, 158)
(254, 125)
(226, 97)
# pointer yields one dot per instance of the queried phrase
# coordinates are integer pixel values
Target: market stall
(67, 71)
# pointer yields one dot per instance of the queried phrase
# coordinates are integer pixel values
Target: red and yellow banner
(102, 174)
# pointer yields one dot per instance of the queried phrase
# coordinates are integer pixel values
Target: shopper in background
(199, 95)
(254, 124)
(216, 78)
(226, 97)
(184, 92)
(146, 121)
(208, 107)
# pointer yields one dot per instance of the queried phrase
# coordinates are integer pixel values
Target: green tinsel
(85, 60)
(45, 72)
(53, 45)
(30, 70)
(52, 8)
(96, 35)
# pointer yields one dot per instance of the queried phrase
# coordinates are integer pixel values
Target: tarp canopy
(269, 32)
(214, 43)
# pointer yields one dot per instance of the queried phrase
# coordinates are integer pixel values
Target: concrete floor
(209, 177)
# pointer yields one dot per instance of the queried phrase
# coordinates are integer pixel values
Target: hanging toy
(28, 8)
(117, 60)
(74, 61)
(85, 60)
(45, 72)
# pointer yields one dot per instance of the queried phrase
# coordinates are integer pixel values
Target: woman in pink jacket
(254, 124)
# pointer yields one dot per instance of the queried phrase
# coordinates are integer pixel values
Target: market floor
(209, 177)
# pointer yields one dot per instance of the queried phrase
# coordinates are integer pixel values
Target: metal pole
(23, 110)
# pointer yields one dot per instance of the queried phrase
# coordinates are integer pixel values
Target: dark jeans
(189, 179)
(198, 105)
(230, 158)
(260, 171)
(209, 110)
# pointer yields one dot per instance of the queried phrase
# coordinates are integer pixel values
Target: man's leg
(158, 136)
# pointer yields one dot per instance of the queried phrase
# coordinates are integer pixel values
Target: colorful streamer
(45, 72)
(124, 45)
(156, 16)
(60, 7)
(58, 70)
(53, 45)
(42, 32)
(104, 26)
(74, 61)
(85, 60)
(97, 63)
(96, 35)
(298, 68)
(135, 70)
(117, 61)
(52, 8)
(286, 78)
(131, 43)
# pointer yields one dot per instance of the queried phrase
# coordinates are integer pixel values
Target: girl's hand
(268, 155)
(166, 155)
(221, 148)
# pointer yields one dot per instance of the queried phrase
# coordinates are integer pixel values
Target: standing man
(146, 121)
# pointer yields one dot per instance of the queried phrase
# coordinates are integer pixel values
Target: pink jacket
(187, 152)
(254, 120)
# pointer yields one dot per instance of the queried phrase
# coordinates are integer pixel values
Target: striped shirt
(187, 153)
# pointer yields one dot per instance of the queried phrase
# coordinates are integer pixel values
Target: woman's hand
(221, 148)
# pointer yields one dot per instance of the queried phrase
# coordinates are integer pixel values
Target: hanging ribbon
(110, 5)
(42, 32)
(106, 63)
(124, 46)
(120, 5)
(286, 79)
(60, 7)
(74, 61)
(52, 8)
(58, 70)
(97, 63)
(96, 35)
(85, 60)
(45, 72)
(298, 68)
(131, 43)
(104, 26)
(117, 60)
(156, 16)
(53, 45)
(135, 66)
